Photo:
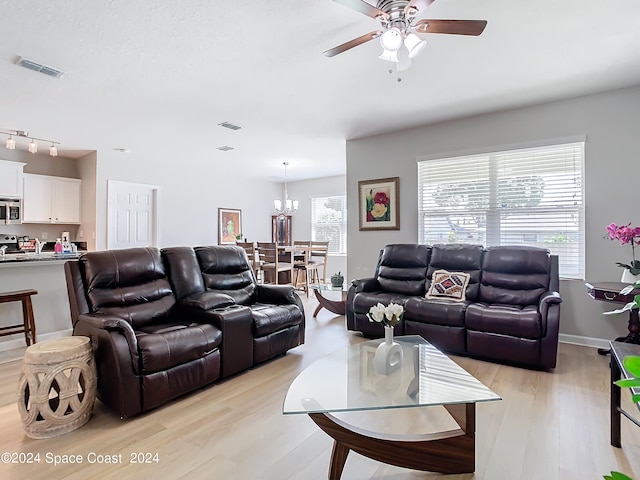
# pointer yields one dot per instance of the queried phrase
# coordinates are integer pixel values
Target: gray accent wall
(609, 121)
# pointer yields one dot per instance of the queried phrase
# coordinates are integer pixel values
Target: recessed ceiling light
(122, 150)
(224, 148)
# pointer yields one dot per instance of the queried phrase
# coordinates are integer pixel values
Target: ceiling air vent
(224, 148)
(38, 67)
(230, 126)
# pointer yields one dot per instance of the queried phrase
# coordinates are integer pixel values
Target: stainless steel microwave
(10, 211)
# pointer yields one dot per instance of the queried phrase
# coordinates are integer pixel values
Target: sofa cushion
(163, 346)
(456, 257)
(268, 319)
(437, 312)
(515, 275)
(130, 284)
(515, 320)
(226, 269)
(402, 268)
(448, 285)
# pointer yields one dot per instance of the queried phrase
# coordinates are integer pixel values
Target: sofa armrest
(110, 323)
(276, 294)
(208, 300)
(364, 285)
(547, 299)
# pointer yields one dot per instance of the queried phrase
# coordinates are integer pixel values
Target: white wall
(610, 122)
(303, 191)
(190, 193)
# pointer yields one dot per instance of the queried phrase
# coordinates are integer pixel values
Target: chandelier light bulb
(33, 146)
(10, 144)
(391, 39)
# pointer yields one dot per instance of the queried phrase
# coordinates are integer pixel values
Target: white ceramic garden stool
(57, 386)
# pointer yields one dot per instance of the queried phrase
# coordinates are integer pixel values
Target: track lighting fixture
(10, 142)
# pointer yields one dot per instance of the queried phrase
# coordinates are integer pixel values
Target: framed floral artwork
(229, 226)
(378, 204)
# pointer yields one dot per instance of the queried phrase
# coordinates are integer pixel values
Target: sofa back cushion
(130, 284)
(516, 275)
(183, 270)
(402, 268)
(455, 257)
(226, 268)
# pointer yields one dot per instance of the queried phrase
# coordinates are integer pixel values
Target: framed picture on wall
(378, 204)
(229, 226)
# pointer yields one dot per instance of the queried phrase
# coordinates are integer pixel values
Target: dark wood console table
(610, 292)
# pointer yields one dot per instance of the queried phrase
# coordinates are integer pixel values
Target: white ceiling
(157, 76)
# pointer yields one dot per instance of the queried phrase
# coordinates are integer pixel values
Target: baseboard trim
(19, 342)
(584, 341)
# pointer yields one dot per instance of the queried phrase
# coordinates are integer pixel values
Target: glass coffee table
(334, 306)
(346, 381)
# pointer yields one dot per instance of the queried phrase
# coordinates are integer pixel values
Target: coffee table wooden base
(334, 306)
(444, 452)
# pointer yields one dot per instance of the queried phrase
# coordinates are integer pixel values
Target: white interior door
(132, 215)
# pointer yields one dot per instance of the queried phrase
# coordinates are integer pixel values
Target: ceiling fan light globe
(389, 56)
(414, 44)
(391, 39)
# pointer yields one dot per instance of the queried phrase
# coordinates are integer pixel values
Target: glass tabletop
(329, 287)
(347, 381)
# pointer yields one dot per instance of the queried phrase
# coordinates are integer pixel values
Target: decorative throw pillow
(448, 285)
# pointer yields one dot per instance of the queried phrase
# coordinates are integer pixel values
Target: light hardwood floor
(548, 426)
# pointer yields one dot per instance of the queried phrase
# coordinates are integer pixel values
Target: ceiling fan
(399, 28)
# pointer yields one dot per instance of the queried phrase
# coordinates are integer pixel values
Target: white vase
(627, 277)
(388, 356)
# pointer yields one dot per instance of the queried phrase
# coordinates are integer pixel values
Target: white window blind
(329, 221)
(531, 196)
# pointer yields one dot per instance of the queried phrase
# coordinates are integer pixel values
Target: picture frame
(229, 225)
(379, 204)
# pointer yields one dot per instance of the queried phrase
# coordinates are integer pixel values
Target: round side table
(57, 386)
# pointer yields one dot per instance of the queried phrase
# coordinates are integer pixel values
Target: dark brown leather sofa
(511, 309)
(161, 327)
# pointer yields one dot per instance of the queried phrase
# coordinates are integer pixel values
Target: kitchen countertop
(13, 258)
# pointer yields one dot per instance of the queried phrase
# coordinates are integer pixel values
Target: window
(329, 221)
(531, 196)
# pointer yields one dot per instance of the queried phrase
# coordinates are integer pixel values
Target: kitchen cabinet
(51, 199)
(11, 178)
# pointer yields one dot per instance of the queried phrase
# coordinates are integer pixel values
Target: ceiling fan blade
(353, 43)
(418, 5)
(364, 7)
(454, 27)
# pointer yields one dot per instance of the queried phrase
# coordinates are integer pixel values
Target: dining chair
(302, 265)
(252, 253)
(318, 258)
(271, 264)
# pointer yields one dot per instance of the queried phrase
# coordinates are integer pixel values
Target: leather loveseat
(161, 327)
(499, 303)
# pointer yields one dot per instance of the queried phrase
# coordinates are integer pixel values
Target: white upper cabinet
(11, 178)
(51, 199)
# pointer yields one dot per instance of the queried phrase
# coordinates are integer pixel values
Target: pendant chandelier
(289, 206)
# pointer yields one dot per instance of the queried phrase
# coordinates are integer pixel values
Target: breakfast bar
(44, 273)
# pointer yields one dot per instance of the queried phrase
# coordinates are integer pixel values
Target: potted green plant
(337, 280)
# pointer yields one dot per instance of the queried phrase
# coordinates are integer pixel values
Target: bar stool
(28, 326)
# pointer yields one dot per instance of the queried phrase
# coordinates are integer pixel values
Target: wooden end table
(618, 352)
(610, 292)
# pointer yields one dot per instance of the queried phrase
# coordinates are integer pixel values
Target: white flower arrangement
(389, 316)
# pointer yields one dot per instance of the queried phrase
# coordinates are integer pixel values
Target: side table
(610, 292)
(57, 386)
(334, 306)
(618, 352)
